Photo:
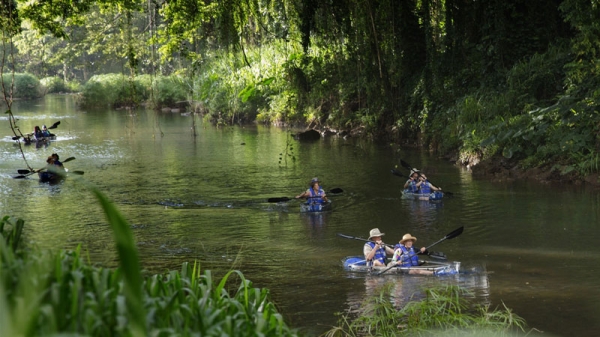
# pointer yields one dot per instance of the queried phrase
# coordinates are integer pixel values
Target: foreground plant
(443, 312)
(52, 294)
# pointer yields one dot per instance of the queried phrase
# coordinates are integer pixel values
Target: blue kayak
(434, 196)
(358, 264)
(315, 207)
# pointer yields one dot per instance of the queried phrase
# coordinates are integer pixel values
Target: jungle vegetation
(476, 79)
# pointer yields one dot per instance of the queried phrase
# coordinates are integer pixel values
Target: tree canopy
(439, 72)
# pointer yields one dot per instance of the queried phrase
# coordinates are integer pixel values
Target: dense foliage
(516, 78)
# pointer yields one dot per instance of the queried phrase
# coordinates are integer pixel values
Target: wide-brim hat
(375, 232)
(407, 237)
(314, 181)
(413, 171)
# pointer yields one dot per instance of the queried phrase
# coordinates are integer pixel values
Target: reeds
(444, 311)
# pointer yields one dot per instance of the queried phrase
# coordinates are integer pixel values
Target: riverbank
(499, 168)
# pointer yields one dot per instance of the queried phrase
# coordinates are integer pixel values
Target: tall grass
(58, 293)
(444, 311)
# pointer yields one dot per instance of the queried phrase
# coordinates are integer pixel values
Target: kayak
(358, 264)
(49, 177)
(434, 196)
(315, 207)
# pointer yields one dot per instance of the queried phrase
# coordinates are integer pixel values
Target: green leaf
(488, 141)
(247, 93)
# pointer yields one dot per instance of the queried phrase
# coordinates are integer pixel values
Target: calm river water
(533, 247)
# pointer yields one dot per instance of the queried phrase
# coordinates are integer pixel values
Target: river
(203, 196)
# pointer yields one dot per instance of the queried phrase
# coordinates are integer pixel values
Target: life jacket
(406, 257)
(425, 189)
(379, 254)
(412, 186)
(315, 196)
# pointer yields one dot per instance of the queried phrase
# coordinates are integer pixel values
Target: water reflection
(405, 288)
(316, 222)
(424, 213)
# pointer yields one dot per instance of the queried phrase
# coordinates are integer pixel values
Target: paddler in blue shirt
(425, 186)
(315, 194)
(411, 183)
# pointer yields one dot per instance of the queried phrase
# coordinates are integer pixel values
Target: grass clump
(444, 311)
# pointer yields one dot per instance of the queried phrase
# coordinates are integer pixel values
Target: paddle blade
(23, 171)
(77, 172)
(336, 190)
(437, 255)
(68, 159)
(396, 173)
(20, 177)
(16, 137)
(53, 126)
(282, 199)
(455, 233)
(405, 165)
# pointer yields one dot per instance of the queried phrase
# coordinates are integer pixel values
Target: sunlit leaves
(53, 15)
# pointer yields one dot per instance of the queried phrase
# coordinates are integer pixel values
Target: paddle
(26, 173)
(336, 190)
(448, 236)
(360, 239)
(396, 173)
(53, 126)
(405, 164)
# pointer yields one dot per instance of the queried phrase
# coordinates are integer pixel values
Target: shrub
(169, 90)
(26, 86)
(54, 84)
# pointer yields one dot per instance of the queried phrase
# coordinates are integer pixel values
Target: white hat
(413, 171)
(375, 232)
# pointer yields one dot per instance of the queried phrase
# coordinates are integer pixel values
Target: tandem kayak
(358, 264)
(315, 207)
(435, 196)
(49, 177)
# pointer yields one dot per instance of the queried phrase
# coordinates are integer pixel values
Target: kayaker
(424, 185)
(45, 131)
(375, 250)
(315, 194)
(411, 183)
(37, 132)
(406, 256)
(56, 161)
